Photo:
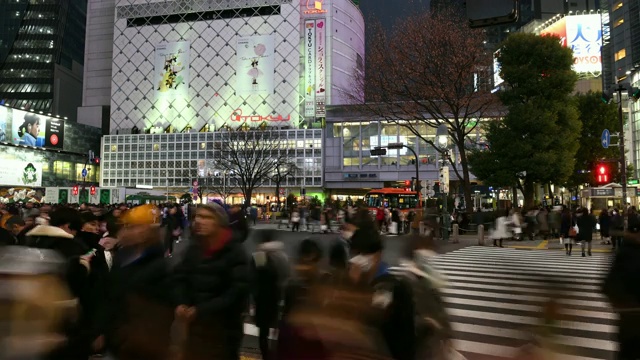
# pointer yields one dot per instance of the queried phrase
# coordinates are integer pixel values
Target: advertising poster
(320, 69)
(171, 77)
(20, 173)
(309, 68)
(54, 134)
(497, 79)
(27, 128)
(584, 37)
(558, 29)
(9, 195)
(4, 119)
(256, 64)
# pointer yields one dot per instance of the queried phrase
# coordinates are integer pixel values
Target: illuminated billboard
(30, 129)
(497, 79)
(583, 34)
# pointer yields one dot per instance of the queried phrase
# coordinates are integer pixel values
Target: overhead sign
(84, 173)
(605, 139)
(22, 127)
(602, 192)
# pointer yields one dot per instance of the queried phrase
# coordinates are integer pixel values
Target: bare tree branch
(429, 72)
(250, 158)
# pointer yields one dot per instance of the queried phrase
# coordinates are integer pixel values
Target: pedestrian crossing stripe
(495, 298)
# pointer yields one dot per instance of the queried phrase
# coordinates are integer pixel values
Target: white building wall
(212, 95)
(346, 52)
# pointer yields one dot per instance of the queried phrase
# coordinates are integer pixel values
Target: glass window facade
(172, 160)
(33, 41)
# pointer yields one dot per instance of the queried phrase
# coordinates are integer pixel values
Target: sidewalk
(552, 244)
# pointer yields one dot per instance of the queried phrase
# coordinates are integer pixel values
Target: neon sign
(315, 7)
(238, 117)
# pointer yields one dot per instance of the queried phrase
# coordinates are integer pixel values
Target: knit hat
(218, 211)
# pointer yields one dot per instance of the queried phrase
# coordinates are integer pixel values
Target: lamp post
(442, 139)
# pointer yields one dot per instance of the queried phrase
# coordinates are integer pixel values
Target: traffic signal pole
(623, 162)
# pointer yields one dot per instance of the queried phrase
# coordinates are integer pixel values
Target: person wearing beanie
(211, 286)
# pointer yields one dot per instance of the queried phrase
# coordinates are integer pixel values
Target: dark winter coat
(621, 287)
(239, 225)
(585, 223)
(605, 223)
(270, 273)
(140, 306)
(217, 285)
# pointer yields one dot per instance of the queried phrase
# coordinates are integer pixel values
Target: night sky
(389, 11)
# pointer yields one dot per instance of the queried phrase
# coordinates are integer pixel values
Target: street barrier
(455, 238)
(481, 235)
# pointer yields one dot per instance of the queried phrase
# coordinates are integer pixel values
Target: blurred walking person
(621, 287)
(586, 222)
(270, 274)
(211, 287)
(501, 230)
(140, 303)
(567, 235)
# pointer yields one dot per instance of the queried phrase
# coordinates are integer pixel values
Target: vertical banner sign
(320, 69)
(309, 68)
(171, 76)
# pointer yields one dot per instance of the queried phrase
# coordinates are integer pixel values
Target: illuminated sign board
(314, 7)
(309, 68)
(583, 34)
(320, 69)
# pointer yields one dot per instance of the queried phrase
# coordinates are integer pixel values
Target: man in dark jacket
(212, 286)
(270, 270)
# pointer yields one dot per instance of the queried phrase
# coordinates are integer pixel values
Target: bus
(392, 198)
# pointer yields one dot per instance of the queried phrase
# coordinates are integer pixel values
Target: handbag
(573, 232)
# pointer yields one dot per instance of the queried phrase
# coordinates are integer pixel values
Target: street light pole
(623, 162)
(397, 146)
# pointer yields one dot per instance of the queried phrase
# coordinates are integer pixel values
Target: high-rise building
(41, 54)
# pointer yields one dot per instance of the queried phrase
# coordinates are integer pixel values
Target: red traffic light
(602, 174)
(75, 190)
(96, 160)
(93, 190)
(407, 183)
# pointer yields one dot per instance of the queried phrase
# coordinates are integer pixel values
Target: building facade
(39, 152)
(349, 168)
(186, 73)
(41, 55)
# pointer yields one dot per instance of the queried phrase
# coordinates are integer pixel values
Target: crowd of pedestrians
(126, 298)
(134, 302)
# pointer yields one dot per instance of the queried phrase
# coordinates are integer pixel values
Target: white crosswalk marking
(495, 299)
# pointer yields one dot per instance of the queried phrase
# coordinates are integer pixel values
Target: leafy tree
(537, 140)
(429, 72)
(595, 117)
